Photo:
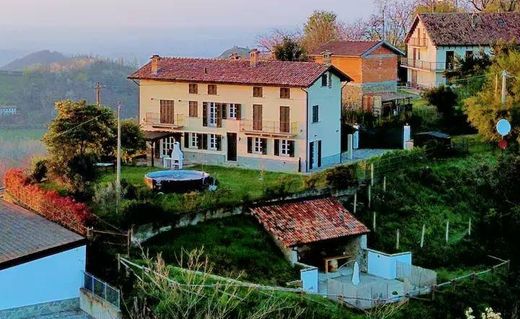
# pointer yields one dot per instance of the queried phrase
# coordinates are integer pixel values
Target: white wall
(385, 265)
(52, 278)
(328, 128)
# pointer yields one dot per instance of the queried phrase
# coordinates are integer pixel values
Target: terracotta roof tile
(352, 48)
(279, 73)
(307, 221)
(485, 29)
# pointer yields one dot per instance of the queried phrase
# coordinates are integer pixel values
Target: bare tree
(494, 5)
(269, 41)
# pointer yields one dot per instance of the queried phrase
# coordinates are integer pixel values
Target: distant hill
(38, 59)
(242, 52)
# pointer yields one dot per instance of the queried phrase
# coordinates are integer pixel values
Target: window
(315, 114)
(194, 109)
(212, 89)
(258, 91)
(257, 117)
(212, 114)
(285, 93)
(194, 88)
(285, 119)
(450, 59)
(283, 148)
(167, 110)
(324, 80)
(194, 140)
(469, 55)
(167, 146)
(233, 111)
(257, 145)
(213, 142)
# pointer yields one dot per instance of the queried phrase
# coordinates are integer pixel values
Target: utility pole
(118, 161)
(98, 93)
(504, 88)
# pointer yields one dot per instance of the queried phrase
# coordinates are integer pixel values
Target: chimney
(327, 57)
(234, 56)
(253, 58)
(155, 63)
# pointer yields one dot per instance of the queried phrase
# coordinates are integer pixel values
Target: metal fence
(420, 280)
(102, 290)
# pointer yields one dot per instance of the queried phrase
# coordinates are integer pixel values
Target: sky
(135, 29)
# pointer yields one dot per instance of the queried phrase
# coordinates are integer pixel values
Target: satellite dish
(503, 127)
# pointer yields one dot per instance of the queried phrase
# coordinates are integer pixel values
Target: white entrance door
(167, 146)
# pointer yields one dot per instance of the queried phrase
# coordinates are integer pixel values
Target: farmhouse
(41, 265)
(272, 115)
(373, 67)
(436, 40)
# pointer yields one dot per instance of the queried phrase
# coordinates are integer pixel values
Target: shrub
(62, 210)
(342, 177)
(443, 98)
(141, 213)
(39, 171)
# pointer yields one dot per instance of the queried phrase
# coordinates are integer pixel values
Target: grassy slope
(235, 245)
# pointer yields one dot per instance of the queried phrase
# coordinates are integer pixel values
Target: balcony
(418, 42)
(425, 65)
(166, 121)
(269, 128)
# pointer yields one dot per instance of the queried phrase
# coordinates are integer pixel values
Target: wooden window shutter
(257, 117)
(250, 145)
(284, 119)
(219, 142)
(218, 106)
(193, 109)
(199, 141)
(186, 140)
(277, 147)
(224, 110)
(311, 155)
(319, 153)
(239, 111)
(291, 148)
(167, 110)
(205, 114)
(264, 146)
(205, 141)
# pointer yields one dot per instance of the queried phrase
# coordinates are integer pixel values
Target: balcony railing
(418, 42)
(425, 65)
(163, 121)
(269, 127)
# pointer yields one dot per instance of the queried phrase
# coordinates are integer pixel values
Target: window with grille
(285, 93)
(194, 140)
(194, 88)
(232, 111)
(194, 109)
(212, 89)
(213, 142)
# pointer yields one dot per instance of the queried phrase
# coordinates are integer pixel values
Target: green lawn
(238, 181)
(234, 246)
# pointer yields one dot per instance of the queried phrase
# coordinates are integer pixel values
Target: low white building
(437, 39)
(41, 265)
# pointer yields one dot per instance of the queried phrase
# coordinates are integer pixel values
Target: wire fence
(102, 289)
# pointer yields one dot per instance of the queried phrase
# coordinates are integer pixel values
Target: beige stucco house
(268, 115)
(436, 39)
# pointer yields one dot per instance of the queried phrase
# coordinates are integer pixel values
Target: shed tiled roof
(353, 48)
(308, 221)
(276, 73)
(23, 233)
(453, 29)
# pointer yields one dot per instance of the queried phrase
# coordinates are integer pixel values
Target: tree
(289, 50)
(485, 108)
(269, 41)
(495, 5)
(320, 28)
(78, 133)
(132, 138)
(435, 6)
